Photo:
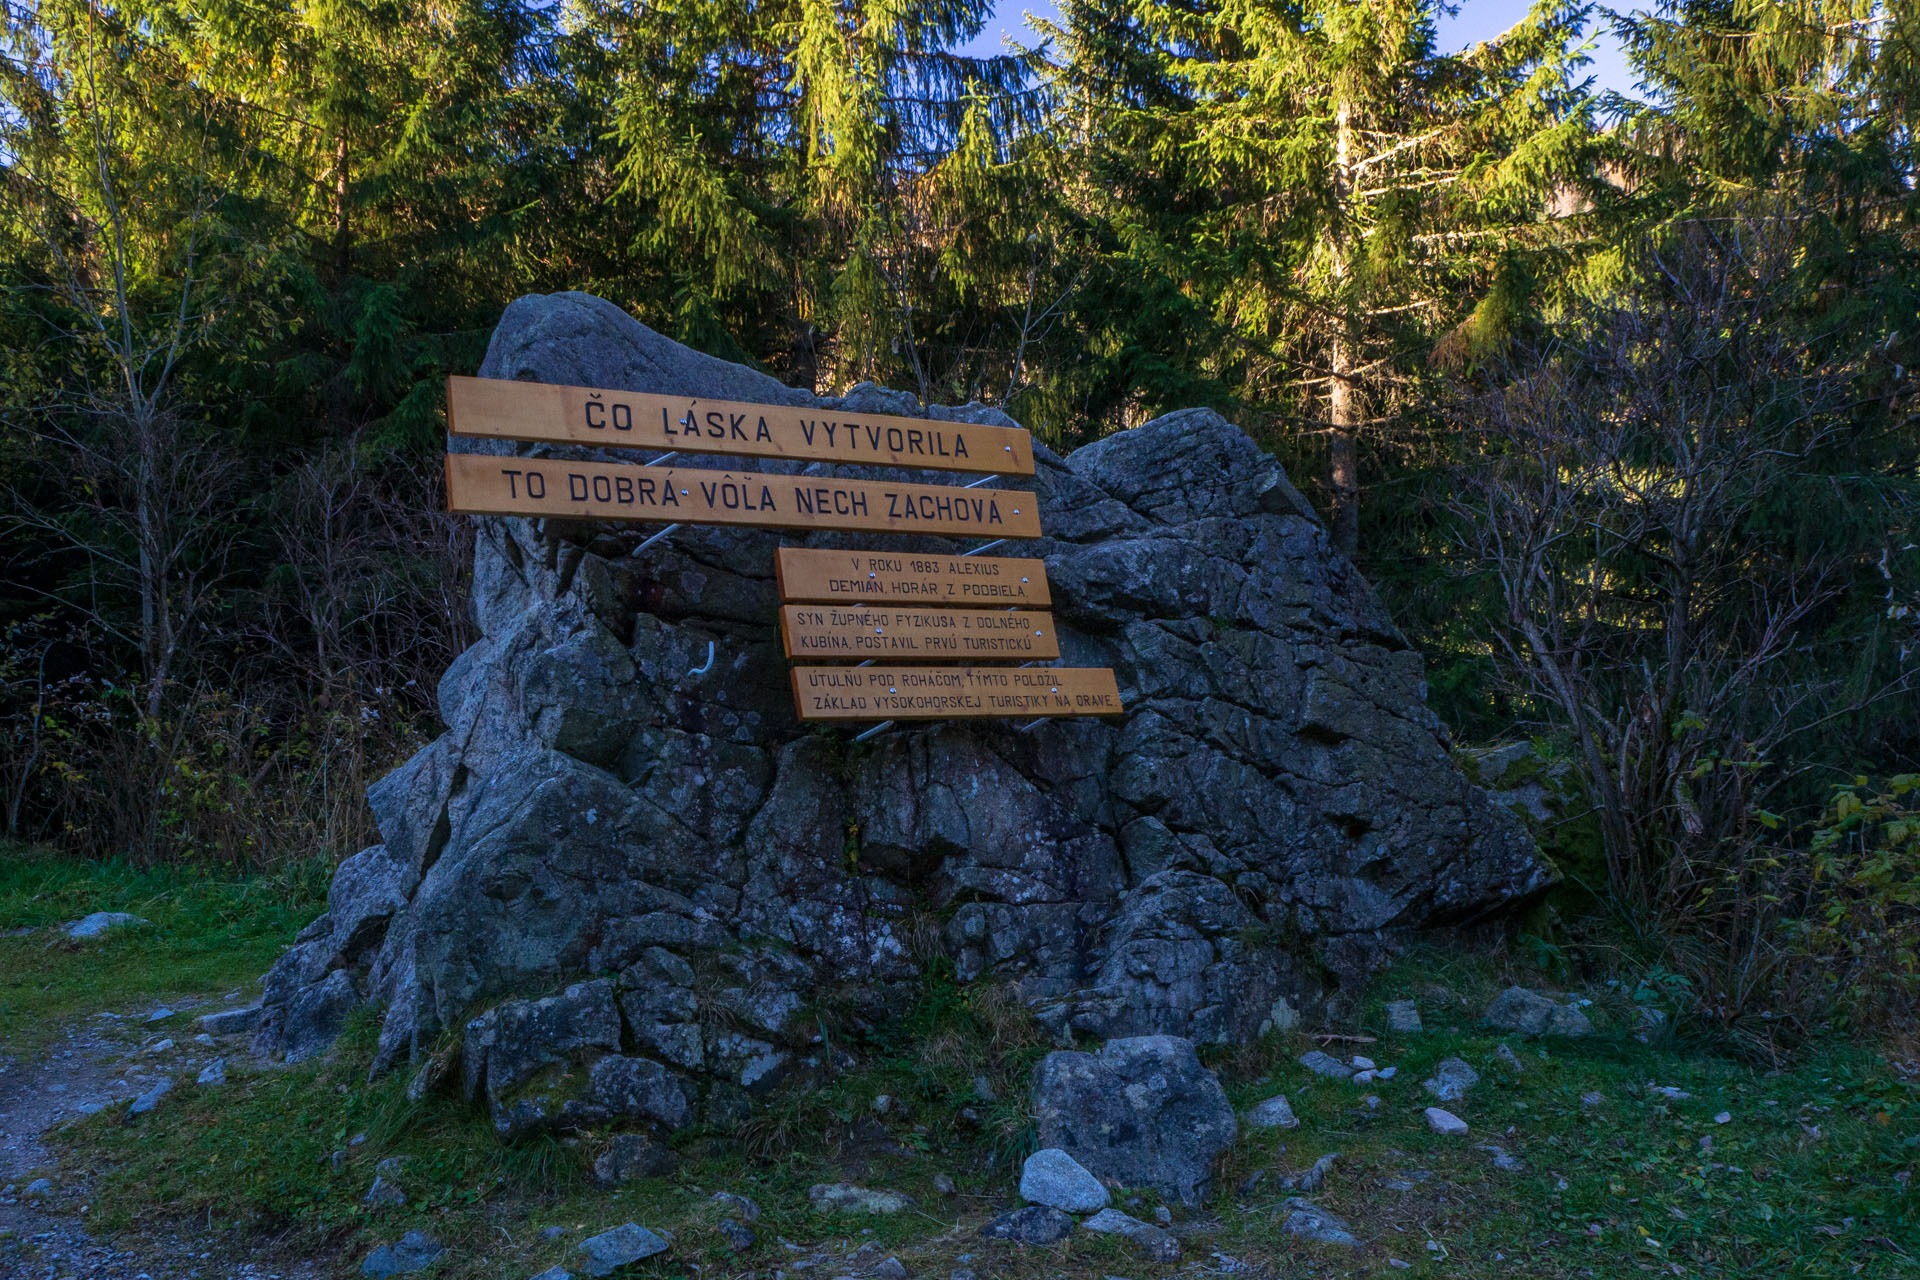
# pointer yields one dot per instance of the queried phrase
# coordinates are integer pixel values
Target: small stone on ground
(1445, 1122)
(102, 922)
(1310, 1222)
(151, 1098)
(1309, 1182)
(740, 1206)
(213, 1073)
(384, 1195)
(1325, 1064)
(1052, 1177)
(414, 1251)
(610, 1250)
(1035, 1224)
(1403, 1017)
(1451, 1079)
(844, 1197)
(1275, 1113)
(1157, 1243)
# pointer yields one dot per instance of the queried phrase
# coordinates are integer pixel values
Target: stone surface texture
(1157, 1243)
(1275, 1113)
(1142, 1112)
(414, 1251)
(102, 922)
(1052, 1177)
(1035, 1224)
(623, 788)
(1530, 1013)
(1451, 1079)
(610, 1251)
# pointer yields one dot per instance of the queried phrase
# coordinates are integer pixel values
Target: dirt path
(94, 1065)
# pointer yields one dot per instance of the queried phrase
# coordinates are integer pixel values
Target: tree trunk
(342, 224)
(1343, 410)
(1343, 462)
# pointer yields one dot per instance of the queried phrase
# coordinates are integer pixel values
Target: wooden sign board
(874, 577)
(940, 693)
(891, 631)
(498, 409)
(480, 484)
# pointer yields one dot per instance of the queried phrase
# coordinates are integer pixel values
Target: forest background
(1610, 396)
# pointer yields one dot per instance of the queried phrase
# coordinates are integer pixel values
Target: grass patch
(1809, 1177)
(1801, 1180)
(206, 934)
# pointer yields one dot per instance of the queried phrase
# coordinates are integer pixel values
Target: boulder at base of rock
(1445, 1122)
(101, 922)
(1275, 1113)
(1310, 1222)
(1451, 1079)
(1052, 1177)
(1035, 1224)
(630, 1156)
(1529, 1013)
(1142, 1112)
(1157, 1243)
(844, 1197)
(609, 1251)
(414, 1251)
(214, 1073)
(1403, 1017)
(315, 1017)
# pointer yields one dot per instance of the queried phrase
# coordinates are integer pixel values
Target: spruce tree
(1341, 193)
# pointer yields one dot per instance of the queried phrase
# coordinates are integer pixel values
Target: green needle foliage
(1665, 340)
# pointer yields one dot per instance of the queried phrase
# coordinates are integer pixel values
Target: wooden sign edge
(1025, 518)
(780, 574)
(799, 712)
(971, 659)
(1024, 463)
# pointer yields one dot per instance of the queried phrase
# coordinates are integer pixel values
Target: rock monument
(634, 884)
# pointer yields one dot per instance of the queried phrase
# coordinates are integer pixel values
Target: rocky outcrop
(623, 793)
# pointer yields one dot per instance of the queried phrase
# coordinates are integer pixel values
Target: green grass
(1622, 1188)
(1619, 1186)
(206, 934)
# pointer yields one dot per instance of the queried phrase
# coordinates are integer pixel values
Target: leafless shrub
(1634, 491)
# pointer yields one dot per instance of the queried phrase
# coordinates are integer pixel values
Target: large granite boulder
(623, 792)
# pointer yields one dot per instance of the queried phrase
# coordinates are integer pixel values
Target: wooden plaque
(479, 484)
(498, 409)
(880, 577)
(893, 631)
(940, 693)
